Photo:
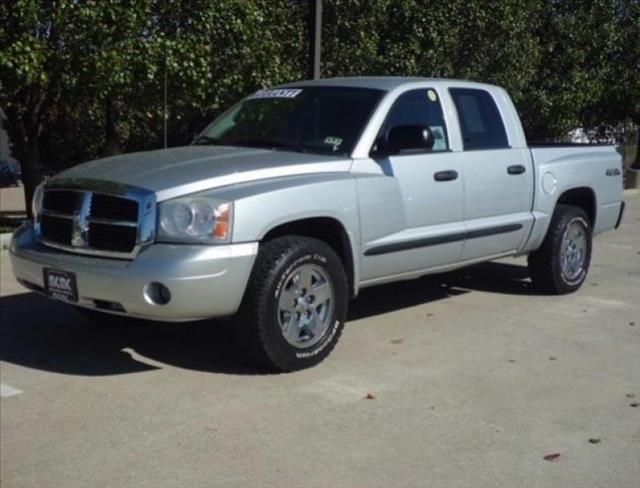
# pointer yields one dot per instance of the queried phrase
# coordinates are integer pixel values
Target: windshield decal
(334, 141)
(279, 93)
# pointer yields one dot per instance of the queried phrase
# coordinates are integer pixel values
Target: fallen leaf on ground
(552, 457)
(512, 360)
(630, 395)
(635, 405)
(632, 324)
(552, 358)
(594, 440)
(397, 341)
(370, 396)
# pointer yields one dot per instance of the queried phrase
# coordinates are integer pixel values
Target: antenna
(164, 110)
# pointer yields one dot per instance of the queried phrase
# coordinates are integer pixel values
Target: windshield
(325, 120)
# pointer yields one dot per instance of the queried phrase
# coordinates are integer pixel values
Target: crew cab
(296, 198)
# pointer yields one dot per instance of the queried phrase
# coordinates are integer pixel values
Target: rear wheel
(561, 264)
(295, 305)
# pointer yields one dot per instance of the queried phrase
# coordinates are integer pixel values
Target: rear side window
(480, 121)
(419, 107)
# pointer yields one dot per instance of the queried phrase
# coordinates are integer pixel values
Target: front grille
(56, 229)
(112, 237)
(108, 207)
(91, 223)
(63, 201)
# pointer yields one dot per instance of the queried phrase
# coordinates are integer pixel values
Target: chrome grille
(109, 207)
(112, 237)
(62, 201)
(56, 229)
(93, 222)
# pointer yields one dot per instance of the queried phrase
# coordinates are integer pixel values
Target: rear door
(498, 183)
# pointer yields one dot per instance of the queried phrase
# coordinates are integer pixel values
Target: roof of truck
(386, 83)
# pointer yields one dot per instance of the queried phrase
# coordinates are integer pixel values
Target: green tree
(80, 79)
(33, 51)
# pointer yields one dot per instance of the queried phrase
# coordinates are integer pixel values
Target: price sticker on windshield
(277, 93)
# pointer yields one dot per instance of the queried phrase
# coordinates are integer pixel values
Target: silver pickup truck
(300, 195)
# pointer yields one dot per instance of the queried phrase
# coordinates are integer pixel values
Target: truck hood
(189, 169)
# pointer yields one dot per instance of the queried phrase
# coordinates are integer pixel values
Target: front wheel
(295, 305)
(561, 264)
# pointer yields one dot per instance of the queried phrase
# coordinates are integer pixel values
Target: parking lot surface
(466, 379)
(12, 199)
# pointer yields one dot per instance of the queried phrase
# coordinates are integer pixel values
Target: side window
(480, 121)
(419, 107)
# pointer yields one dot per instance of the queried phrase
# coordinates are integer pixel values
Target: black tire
(545, 266)
(257, 325)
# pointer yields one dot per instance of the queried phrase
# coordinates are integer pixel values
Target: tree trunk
(29, 160)
(24, 129)
(111, 129)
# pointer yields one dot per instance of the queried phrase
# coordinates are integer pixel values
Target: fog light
(157, 294)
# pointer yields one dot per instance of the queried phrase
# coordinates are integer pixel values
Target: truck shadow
(492, 277)
(46, 335)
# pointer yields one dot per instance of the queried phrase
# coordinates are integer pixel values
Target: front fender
(264, 205)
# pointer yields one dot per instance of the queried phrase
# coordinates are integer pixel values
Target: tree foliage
(84, 78)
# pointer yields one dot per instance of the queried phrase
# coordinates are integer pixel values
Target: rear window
(480, 121)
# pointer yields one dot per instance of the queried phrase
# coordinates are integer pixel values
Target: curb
(631, 191)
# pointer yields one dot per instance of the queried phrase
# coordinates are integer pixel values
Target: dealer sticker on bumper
(60, 285)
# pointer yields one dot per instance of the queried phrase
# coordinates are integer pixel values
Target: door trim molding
(444, 239)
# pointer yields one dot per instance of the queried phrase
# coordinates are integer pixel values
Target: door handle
(447, 175)
(516, 169)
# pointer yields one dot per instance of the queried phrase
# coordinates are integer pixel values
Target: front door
(412, 207)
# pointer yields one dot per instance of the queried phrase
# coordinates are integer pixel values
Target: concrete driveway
(472, 380)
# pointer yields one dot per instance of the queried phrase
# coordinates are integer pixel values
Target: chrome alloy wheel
(305, 305)
(573, 251)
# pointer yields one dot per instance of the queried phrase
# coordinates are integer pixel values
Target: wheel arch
(327, 229)
(583, 197)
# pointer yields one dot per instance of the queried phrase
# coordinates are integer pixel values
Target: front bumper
(204, 281)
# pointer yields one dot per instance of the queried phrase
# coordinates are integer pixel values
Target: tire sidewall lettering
(329, 337)
(583, 273)
(325, 342)
(287, 272)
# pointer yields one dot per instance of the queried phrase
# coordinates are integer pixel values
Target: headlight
(36, 202)
(195, 219)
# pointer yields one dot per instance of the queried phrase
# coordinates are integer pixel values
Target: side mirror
(401, 138)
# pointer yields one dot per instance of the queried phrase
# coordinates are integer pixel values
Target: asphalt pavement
(467, 379)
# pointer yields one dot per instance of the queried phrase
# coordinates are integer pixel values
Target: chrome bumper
(204, 281)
